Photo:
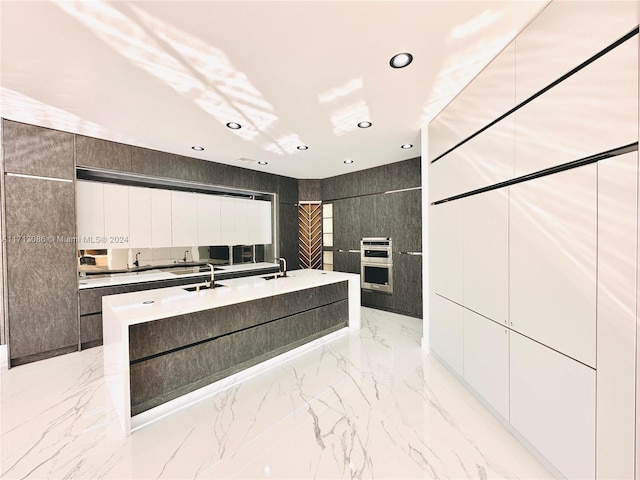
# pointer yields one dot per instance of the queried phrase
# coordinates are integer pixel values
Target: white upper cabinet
(208, 220)
(244, 221)
(548, 47)
(90, 212)
(184, 219)
(116, 216)
(260, 213)
(160, 218)
(488, 96)
(140, 217)
(553, 240)
(590, 112)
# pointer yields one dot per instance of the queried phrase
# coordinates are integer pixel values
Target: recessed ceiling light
(302, 147)
(261, 162)
(406, 146)
(364, 124)
(401, 60)
(348, 162)
(197, 148)
(234, 125)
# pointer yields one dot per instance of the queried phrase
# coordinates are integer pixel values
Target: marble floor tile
(367, 404)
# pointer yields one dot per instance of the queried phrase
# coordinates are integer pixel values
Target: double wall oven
(376, 264)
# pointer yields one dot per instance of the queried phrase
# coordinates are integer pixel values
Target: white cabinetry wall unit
(533, 238)
(209, 220)
(616, 330)
(116, 216)
(552, 226)
(90, 214)
(184, 219)
(161, 228)
(140, 217)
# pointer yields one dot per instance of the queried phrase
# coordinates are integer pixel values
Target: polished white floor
(368, 404)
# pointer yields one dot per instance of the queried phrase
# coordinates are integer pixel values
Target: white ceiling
(170, 74)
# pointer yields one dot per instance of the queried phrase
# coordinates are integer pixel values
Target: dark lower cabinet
(174, 356)
(42, 280)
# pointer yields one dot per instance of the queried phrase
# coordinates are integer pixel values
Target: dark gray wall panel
(393, 176)
(154, 163)
(348, 262)
(347, 230)
(309, 190)
(37, 151)
(90, 331)
(288, 190)
(41, 275)
(288, 215)
(93, 152)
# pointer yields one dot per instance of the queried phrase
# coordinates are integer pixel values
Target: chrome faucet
(212, 281)
(137, 262)
(282, 263)
(184, 259)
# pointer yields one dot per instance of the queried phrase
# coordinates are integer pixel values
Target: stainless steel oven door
(377, 277)
(372, 254)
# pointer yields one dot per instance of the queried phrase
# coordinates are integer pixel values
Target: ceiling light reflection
(476, 24)
(341, 91)
(459, 70)
(346, 119)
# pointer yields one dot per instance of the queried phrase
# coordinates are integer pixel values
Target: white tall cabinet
(140, 217)
(533, 237)
(90, 214)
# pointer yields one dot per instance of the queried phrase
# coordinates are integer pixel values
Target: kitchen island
(165, 348)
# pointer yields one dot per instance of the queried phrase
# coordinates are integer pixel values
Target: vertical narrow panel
(486, 254)
(446, 249)
(90, 214)
(310, 235)
(446, 331)
(139, 217)
(116, 215)
(616, 328)
(486, 360)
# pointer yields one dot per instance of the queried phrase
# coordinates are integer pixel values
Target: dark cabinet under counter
(90, 299)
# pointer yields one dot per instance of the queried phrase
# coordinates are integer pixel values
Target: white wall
(532, 286)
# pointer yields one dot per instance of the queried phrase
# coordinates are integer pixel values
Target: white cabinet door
(547, 49)
(446, 249)
(116, 215)
(486, 360)
(259, 217)
(160, 218)
(184, 219)
(552, 228)
(590, 112)
(486, 254)
(230, 223)
(616, 333)
(208, 220)
(446, 331)
(488, 96)
(139, 217)
(90, 214)
(245, 222)
(553, 405)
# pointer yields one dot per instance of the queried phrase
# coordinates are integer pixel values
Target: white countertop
(131, 309)
(154, 275)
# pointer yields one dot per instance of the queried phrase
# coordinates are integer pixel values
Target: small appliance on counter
(376, 264)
